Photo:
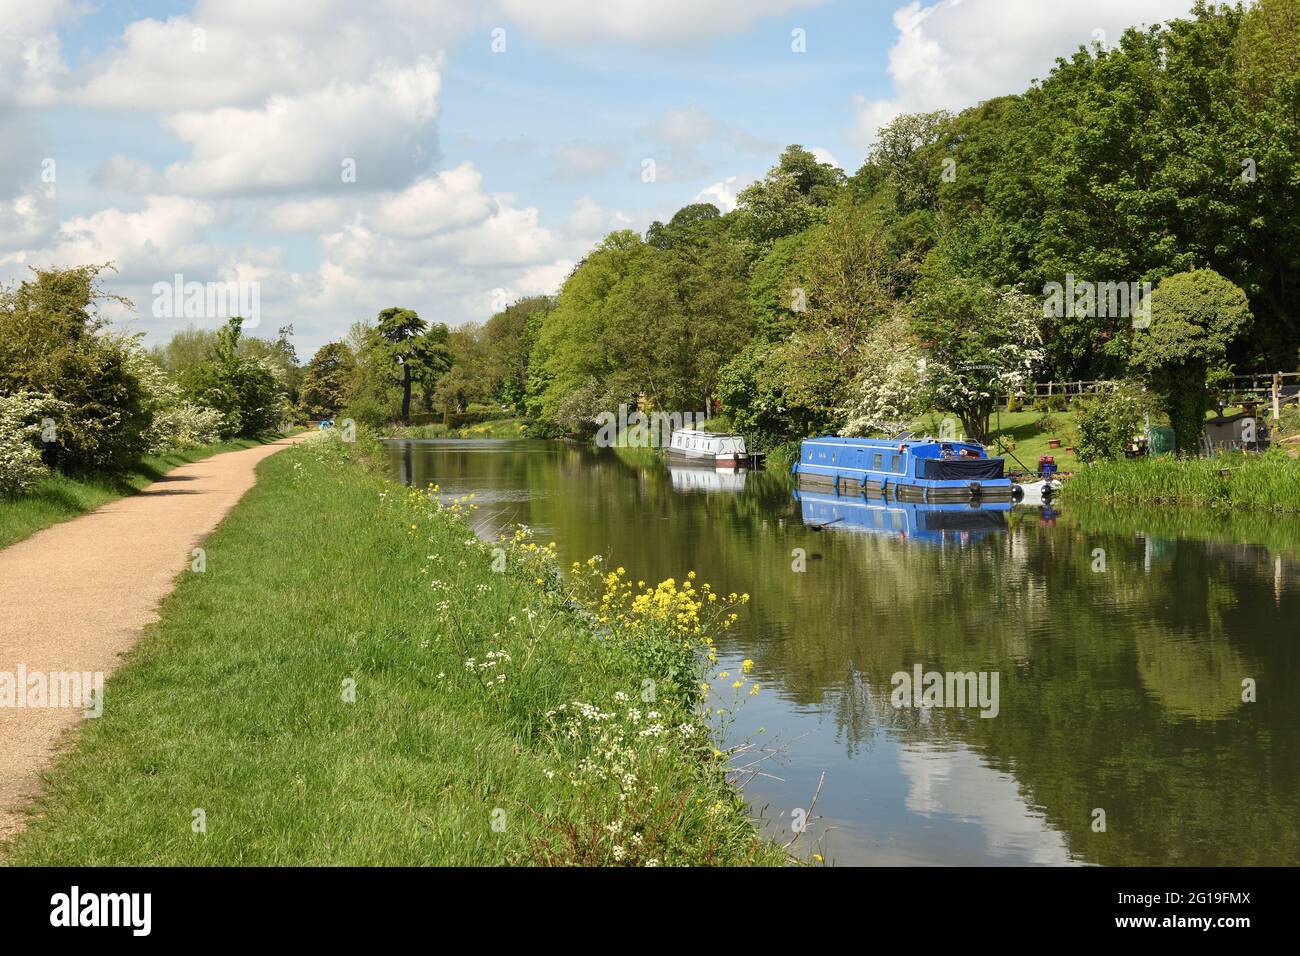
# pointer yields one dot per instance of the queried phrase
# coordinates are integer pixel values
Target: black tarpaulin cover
(963, 469)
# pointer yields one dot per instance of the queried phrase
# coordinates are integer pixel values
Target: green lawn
(1029, 434)
(60, 497)
(351, 682)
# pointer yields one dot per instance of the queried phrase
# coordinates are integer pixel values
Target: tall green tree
(1195, 316)
(416, 350)
(246, 391)
(509, 336)
(788, 199)
(325, 380)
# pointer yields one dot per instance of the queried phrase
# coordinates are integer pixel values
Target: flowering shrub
(890, 390)
(21, 417)
(184, 425)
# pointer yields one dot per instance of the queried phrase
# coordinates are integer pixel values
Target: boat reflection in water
(707, 479)
(932, 523)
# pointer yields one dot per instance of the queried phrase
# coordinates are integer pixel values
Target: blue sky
(209, 139)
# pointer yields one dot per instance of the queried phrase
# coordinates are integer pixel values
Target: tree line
(828, 301)
(78, 397)
(929, 278)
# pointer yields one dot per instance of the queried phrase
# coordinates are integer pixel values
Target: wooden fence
(1263, 387)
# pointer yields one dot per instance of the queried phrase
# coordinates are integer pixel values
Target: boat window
(878, 461)
(896, 463)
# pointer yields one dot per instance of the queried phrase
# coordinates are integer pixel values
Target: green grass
(1028, 436)
(1256, 482)
(328, 577)
(495, 428)
(61, 497)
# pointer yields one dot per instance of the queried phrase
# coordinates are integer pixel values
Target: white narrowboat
(719, 449)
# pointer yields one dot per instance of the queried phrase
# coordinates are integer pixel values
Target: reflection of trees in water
(1118, 689)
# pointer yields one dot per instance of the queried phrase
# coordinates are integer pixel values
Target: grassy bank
(496, 428)
(1234, 480)
(61, 497)
(351, 682)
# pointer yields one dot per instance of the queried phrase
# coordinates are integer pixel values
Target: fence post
(1277, 396)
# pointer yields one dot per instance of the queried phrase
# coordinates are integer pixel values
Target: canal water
(1147, 662)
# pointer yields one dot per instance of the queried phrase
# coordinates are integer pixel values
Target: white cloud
(382, 125)
(308, 215)
(686, 134)
(31, 63)
(27, 219)
(685, 129)
(128, 175)
(239, 52)
(588, 220)
(147, 244)
(723, 194)
(450, 200)
(638, 22)
(443, 246)
(30, 69)
(956, 53)
(825, 156)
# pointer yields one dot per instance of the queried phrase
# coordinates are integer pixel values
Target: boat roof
(700, 433)
(890, 442)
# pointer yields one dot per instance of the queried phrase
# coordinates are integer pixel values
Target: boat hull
(913, 473)
(723, 460)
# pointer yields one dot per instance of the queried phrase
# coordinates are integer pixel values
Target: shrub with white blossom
(22, 419)
(890, 391)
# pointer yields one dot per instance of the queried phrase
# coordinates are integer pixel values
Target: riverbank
(1268, 482)
(351, 682)
(61, 497)
(493, 428)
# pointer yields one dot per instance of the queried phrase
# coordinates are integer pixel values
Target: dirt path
(75, 596)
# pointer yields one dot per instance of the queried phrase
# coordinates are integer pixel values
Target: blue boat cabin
(908, 469)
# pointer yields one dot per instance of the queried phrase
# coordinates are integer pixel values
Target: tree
(325, 380)
(53, 343)
(509, 337)
(467, 379)
(399, 327)
(981, 344)
(589, 335)
(788, 199)
(684, 313)
(889, 393)
(1195, 316)
(776, 394)
(280, 356)
(246, 391)
(907, 158)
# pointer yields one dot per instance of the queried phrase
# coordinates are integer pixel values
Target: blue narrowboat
(957, 522)
(918, 470)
